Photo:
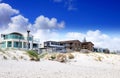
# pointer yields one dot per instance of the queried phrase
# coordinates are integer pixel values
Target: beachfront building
(87, 45)
(54, 46)
(68, 46)
(71, 45)
(18, 41)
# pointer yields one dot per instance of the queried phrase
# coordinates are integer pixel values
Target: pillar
(12, 44)
(6, 43)
(22, 44)
(31, 45)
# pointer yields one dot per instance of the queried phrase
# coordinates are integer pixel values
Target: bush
(70, 56)
(33, 55)
(51, 56)
(14, 58)
(21, 57)
(99, 58)
(61, 57)
(4, 57)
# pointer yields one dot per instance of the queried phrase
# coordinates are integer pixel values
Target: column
(22, 45)
(31, 45)
(6, 43)
(12, 44)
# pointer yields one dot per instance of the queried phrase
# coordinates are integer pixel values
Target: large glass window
(9, 44)
(4, 44)
(35, 45)
(14, 36)
(24, 44)
(30, 38)
(17, 44)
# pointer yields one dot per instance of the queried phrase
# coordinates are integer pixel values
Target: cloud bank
(45, 28)
(98, 38)
(6, 12)
(43, 22)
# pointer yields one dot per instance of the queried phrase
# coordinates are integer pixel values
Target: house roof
(17, 33)
(68, 41)
(87, 43)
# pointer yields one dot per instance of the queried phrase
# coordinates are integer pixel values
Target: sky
(98, 21)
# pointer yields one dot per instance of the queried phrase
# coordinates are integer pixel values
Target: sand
(82, 66)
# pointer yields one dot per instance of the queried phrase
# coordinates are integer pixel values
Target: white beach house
(18, 40)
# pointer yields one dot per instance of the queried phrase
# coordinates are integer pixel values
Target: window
(24, 45)
(35, 45)
(17, 44)
(9, 44)
(4, 44)
(13, 36)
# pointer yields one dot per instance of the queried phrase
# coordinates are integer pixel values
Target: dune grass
(33, 55)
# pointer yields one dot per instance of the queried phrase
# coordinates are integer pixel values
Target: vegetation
(4, 57)
(14, 58)
(21, 57)
(33, 55)
(99, 58)
(50, 56)
(53, 56)
(61, 57)
(70, 56)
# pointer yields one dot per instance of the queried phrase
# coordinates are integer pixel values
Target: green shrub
(33, 55)
(53, 56)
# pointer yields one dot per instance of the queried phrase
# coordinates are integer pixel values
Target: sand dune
(82, 66)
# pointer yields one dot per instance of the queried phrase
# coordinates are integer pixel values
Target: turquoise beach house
(18, 40)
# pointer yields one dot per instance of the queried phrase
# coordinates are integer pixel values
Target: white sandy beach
(82, 66)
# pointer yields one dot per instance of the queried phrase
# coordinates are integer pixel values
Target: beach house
(18, 41)
(71, 45)
(54, 46)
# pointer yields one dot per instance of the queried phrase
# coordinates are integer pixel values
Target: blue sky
(97, 20)
(85, 15)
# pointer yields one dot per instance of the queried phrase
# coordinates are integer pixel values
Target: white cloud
(98, 38)
(46, 35)
(6, 11)
(42, 22)
(18, 24)
(44, 27)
